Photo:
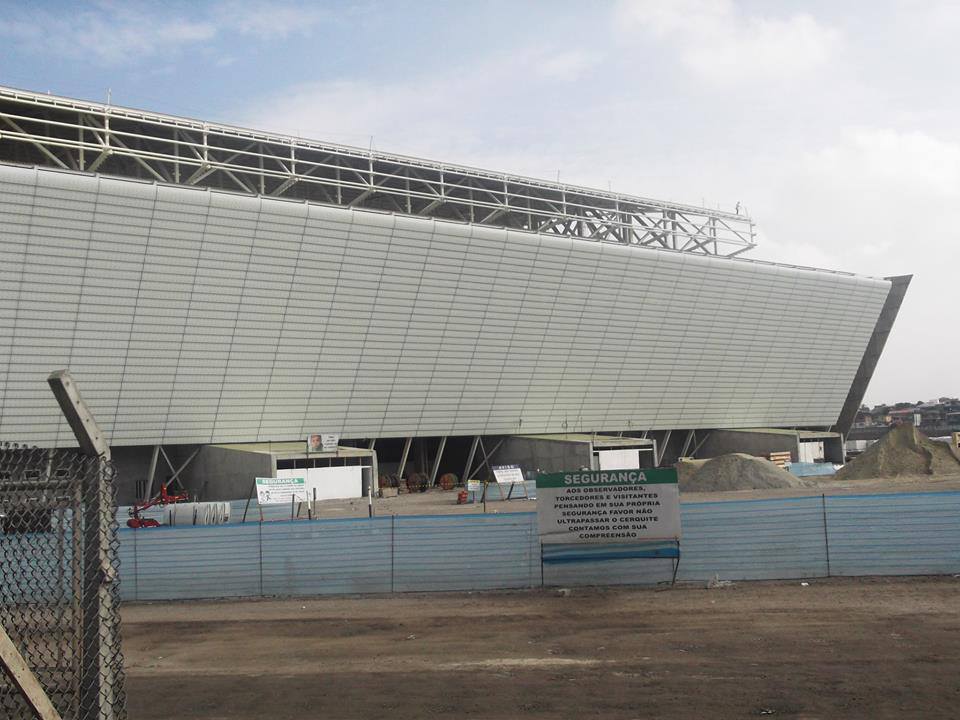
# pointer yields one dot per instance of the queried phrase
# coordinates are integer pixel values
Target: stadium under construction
(220, 294)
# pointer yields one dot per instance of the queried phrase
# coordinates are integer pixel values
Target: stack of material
(736, 471)
(780, 459)
(204, 513)
(902, 451)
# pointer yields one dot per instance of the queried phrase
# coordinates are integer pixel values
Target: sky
(833, 124)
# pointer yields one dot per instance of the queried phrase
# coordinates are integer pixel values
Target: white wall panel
(197, 316)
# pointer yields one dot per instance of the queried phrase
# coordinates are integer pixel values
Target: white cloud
(880, 202)
(566, 65)
(270, 21)
(912, 164)
(869, 196)
(469, 114)
(106, 33)
(121, 34)
(722, 45)
(350, 112)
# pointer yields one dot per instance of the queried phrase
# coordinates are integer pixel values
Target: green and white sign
(608, 506)
(281, 491)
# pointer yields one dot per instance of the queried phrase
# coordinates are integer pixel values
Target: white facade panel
(197, 316)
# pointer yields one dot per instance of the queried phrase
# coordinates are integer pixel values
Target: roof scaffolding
(89, 137)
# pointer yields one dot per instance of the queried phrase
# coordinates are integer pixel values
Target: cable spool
(417, 482)
(448, 481)
(389, 481)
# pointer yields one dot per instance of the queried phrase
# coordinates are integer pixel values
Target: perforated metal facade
(198, 316)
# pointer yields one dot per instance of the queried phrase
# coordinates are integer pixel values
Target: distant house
(937, 415)
(905, 416)
(864, 418)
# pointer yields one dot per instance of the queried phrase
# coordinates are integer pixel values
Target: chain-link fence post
(100, 675)
(99, 632)
(826, 532)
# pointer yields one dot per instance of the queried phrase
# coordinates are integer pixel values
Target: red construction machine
(164, 498)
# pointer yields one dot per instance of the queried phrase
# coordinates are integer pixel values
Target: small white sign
(473, 486)
(619, 459)
(508, 474)
(281, 491)
(323, 442)
(329, 483)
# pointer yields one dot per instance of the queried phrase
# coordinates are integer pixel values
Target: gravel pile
(736, 471)
(902, 451)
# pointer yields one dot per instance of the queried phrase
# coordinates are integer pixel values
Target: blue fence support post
(540, 544)
(826, 534)
(136, 565)
(260, 552)
(393, 544)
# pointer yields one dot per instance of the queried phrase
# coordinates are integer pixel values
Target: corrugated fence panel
(202, 561)
(327, 557)
(807, 469)
(609, 572)
(254, 510)
(903, 534)
(753, 539)
(474, 552)
(739, 540)
(127, 560)
(496, 492)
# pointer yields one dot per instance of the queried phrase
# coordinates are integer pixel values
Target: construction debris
(904, 450)
(715, 582)
(198, 513)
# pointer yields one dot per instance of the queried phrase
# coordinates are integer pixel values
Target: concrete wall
(534, 454)
(222, 474)
(133, 465)
(722, 442)
(214, 474)
(833, 451)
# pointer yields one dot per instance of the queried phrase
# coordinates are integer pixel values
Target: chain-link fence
(59, 594)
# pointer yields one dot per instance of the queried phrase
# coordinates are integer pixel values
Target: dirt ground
(440, 502)
(870, 648)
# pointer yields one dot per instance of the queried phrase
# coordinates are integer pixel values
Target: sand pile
(736, 471)
(904, 450)
(686, 469)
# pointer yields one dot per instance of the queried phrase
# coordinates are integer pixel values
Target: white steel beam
(167, 148)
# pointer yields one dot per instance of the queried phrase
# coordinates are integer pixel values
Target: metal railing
(89, 137)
